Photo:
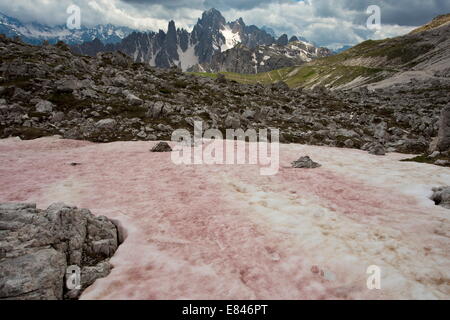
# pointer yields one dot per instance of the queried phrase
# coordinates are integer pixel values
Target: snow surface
(152, 61)
(226, 232)
(231, 39)
(188, 57)
(255, 62)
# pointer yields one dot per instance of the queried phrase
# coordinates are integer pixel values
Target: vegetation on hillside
(435, 23)
(367, 62)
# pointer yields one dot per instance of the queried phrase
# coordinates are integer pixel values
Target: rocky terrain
(211, 36)
(46, 90)
(37, 246)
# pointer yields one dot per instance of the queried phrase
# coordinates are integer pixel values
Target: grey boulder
(377, 149)
(106, 124)
(44, 106)
(305, 162)
(161, 147)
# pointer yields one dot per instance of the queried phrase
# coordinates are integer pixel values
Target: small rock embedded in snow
(441, 196)
(305, 162)
(377, 149)
(162, 147)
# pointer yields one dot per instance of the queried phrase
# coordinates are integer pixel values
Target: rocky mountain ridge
(210, 37)
(241, 59)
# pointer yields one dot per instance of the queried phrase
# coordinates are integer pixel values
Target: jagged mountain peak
(283, 40)
(240, 21)
(212, 18)
(171, 29)
(211, 35)
(212, 12)
(263, 58)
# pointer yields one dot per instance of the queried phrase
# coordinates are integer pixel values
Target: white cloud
(93, 12)
(318, 21)
(325, 22)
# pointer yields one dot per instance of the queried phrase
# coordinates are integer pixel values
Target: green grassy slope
(264, 77)
(435, 23)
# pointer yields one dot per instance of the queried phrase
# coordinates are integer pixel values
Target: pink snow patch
(226, 232)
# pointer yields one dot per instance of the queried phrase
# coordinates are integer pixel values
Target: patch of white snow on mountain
(188, 57)
(231, 38)
(152, 61)
(255, 62)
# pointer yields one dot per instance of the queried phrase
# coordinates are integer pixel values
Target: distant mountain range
(211, 36)
(35, 33)
(204, 48)
(263, 58)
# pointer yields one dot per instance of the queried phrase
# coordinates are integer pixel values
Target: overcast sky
(331, 23)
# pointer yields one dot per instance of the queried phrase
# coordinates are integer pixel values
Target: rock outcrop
(38, 246)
